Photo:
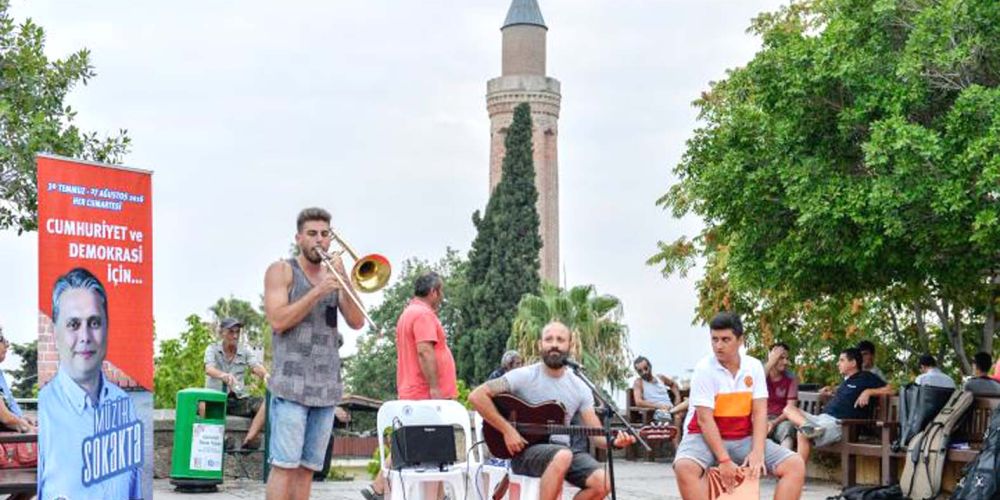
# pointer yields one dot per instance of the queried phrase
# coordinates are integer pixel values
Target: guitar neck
(574, 430)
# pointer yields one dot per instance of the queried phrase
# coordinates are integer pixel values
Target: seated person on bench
(11, 416)
(782, 392)
(982, 384)
(658, 392)
(226, 362)
(931, 375)
(825, 428)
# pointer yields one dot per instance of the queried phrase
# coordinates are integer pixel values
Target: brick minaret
(523, 80)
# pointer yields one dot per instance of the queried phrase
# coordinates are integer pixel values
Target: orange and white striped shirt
(730, 397)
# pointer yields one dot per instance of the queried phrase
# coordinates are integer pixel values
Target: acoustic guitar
(537, 422)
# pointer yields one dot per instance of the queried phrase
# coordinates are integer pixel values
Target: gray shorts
(783, 430)
(694, 448)
(832, 430)
(534, 459)
(661, 415)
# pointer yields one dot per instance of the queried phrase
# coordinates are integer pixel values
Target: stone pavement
(636, 481)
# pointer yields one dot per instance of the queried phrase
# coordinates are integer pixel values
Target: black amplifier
(423, 446)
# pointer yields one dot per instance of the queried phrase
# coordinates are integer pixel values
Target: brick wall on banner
(48, 358)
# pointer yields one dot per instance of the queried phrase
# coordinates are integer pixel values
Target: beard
(311, 255)
(648, 376)
(555, 358)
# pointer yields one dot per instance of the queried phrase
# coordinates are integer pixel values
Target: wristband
(725, 460)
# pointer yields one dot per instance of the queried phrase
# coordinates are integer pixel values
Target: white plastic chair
(520, 487)
(523, 487)
(421, 484)
(487, 476)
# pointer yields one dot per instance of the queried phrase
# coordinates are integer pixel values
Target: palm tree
(601, 340)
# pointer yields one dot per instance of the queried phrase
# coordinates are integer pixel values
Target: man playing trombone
(302, 296)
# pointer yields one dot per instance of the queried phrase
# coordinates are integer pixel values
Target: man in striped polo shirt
(729, 423)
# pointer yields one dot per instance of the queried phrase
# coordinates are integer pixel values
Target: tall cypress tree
(503, 262)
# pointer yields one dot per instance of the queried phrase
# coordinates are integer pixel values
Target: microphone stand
(610, 409)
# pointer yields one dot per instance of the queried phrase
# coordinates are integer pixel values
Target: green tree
(503, 262)
(256, 331)
(601, 338)
(34, 118)
(181, 363)
(856, 158)
(371, 371)
(26, 385)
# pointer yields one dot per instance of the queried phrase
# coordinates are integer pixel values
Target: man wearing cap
(226, 363)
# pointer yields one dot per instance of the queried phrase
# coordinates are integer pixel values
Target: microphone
(572, 364)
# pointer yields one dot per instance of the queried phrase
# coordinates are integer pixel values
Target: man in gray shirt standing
(301, 304)
(549, 380)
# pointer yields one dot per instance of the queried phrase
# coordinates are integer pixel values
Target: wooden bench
(972, 429)
(14, 481)
(874, 438)
(871, 437)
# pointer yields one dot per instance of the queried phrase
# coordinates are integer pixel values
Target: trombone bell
(370, 273)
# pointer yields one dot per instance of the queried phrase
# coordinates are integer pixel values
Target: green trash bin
(197, 459)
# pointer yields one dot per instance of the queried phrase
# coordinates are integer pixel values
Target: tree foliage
(34, 117)
(503, 262)
(601, 339)
(181, 362)
(371, 371)
(26, 377)
(256, 331)
(848, 176)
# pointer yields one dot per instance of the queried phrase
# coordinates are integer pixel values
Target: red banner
(99, 218)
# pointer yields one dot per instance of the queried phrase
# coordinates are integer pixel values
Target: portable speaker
(423, 445)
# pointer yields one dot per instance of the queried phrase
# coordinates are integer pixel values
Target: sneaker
(811, 432)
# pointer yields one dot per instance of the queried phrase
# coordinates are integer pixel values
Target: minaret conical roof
(524, 12)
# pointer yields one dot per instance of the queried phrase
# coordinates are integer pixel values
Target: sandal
(370, 494)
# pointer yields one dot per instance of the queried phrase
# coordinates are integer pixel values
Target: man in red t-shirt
(425, 368)
(782, 392)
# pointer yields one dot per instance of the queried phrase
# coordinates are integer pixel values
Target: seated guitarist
(554, 461)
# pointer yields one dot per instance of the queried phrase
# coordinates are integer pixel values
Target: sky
(248, 111)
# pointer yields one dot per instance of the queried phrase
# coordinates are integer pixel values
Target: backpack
(918, 405)
(981, 477)
(863, 492)
(925, 458)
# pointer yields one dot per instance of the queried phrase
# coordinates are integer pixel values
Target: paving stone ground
(635, 481)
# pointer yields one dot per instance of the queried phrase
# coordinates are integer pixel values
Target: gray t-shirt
(215, 357)
(982, 386)
(532, 384)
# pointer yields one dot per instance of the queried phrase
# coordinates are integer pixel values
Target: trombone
(369, 274)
